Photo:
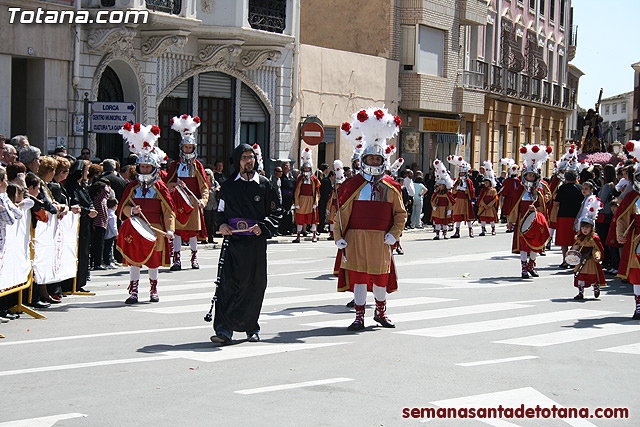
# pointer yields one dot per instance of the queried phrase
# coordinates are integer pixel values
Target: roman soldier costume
(147, 211)
(464, 192)
(442, 200)
(589, 271)
(488, 201)
(508, 188)
(190, 189)
(372, 214)
(306, 197)
(332, 203)
(568, 160)
(531, 228)
(627, 220)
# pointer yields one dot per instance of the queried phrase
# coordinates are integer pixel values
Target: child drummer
(589, 271)
(442, 200)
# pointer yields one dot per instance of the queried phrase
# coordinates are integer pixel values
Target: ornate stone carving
(111, 39)
(157, 45)
(252, 59)
(213, 53)
(207, 6)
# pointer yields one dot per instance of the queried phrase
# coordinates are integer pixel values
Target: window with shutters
(431, 51)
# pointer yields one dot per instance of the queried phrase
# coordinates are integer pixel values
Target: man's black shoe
(40, 304)
(351, 303)
(220, 339)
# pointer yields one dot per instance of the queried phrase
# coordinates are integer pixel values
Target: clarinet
(225, 244)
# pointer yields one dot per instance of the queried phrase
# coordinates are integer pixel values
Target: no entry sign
(312, 133)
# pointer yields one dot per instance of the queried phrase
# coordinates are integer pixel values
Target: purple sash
(242, 224)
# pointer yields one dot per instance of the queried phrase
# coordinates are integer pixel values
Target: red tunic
(590, 277)
(463, 208)
(194, 184)
(517, 214)
(507, 192)
(629, 269)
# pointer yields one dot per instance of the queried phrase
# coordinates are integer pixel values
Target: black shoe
(220, 339)
(579, 297)
(253, 337)
(534, 273)
(351, 303)
(399, 251)
(100, 267)
(154, 299)
(596, 294)
(543, 253)
(175, 267)
(82, 290)
(481, 234)
(40, 304)
(564, 265)
(131, 300)
(385, 323)
(356, 326)
(524, 275)
(436, 238)
(636, 316)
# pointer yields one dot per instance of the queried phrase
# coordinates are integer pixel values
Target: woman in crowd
(99, 192)
(76, 186)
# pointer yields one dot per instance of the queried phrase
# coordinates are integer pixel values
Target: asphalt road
(470, 333)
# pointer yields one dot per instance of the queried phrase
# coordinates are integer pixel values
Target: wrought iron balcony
(496, 79)
(268, 15)
(511, 88)
(525, 86)
(535, 89)
(168, 6)
(556, 95)
(546, 92)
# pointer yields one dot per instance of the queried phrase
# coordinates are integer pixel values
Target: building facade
(230, 62)
(35, 64)
(617, 117)
(636, 101)
(521, 60)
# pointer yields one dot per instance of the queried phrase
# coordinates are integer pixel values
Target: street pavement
(469, 333)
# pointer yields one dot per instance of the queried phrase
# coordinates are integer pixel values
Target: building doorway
(109, 145)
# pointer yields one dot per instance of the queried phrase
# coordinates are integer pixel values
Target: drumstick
(184, 187)
(157, 230)
(628, 229)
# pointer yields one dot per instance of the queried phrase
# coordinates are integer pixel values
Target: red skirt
(310, 218)
(590, 279)
(565, 234)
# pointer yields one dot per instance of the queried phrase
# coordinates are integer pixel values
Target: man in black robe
(248, 215)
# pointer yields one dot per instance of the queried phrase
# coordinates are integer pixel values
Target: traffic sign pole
(85, 126)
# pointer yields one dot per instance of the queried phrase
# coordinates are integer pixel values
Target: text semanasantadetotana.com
(518, 412)
(42, 16)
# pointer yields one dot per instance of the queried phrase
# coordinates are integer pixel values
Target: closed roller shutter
(215, 85)
(250, 107)
(181, 91)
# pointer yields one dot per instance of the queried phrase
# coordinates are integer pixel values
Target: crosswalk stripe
(42, 421)
(494, 361)
(505, 323)
(184, 287)
(434, 314)
(572, 335)
(292, 386)
(294, 300)
(626, 349)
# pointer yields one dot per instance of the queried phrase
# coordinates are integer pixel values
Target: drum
(573, 257)
(183, 204)
(534, 229)
(136, 240)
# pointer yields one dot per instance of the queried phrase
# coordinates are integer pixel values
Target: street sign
(312, 133)
(113, 107)
(110, 122)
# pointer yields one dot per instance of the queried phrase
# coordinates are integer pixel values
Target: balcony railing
(535, 89)
(556, 95)
(525, 86)
(512, 83)
(168, 6)
(546, 92)
(517, 85)
(496, 79)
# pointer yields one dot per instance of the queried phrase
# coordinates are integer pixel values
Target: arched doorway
(109, 145)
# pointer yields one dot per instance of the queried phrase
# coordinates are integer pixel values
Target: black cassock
(244, 274)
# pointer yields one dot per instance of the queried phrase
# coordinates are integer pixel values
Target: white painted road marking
(291, 386)
(435, 314)
(506, 323)
(42, 421)
(627, 349)
(527, 396)
(494, 361)
(575, 334)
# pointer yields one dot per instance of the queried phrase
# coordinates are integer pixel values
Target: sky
(608, 43)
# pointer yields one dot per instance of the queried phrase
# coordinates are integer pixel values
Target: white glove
(389, 239)
(341, 244)
(313, 207)
(435, 208)
(297, 206)
(448, 212)
(28, 203)
(170, 235)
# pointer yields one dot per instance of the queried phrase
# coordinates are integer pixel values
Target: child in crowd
(611, 241)
(589, 271)
(111, 234)
(442, 201)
